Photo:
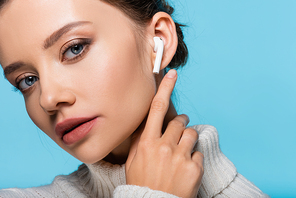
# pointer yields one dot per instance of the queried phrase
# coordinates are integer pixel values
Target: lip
(73, 129)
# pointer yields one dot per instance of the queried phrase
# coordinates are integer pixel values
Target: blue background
(240, 77)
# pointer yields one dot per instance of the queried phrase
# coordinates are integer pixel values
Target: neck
(119, 154)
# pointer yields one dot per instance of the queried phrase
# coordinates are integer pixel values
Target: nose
(55, 95)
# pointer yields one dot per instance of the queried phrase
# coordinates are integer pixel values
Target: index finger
(160, 105)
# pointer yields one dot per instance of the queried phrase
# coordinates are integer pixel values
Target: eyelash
(85, 42)
(18, 81)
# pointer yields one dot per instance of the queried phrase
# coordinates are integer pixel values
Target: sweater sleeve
(241, 187)
(60, 187)
(220, 179)
(132, 191)
(36, 192)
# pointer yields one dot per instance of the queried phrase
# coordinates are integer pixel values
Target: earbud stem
(159, 46)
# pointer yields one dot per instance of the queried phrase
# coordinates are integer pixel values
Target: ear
(162, 25)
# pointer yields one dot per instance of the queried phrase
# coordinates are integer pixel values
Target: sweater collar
(101, 178)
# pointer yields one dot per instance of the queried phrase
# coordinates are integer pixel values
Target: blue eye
(73, 51)
(27, 82)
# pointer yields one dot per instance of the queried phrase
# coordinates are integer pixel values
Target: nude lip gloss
(74, 129)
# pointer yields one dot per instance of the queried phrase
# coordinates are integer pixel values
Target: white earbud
(158, 48)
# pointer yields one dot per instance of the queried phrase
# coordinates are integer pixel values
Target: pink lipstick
(74, 129)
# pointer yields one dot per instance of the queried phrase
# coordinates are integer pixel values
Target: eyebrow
(13, 67)
(51, 40)
(54, 37)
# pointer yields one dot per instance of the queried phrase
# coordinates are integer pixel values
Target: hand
(165, 162)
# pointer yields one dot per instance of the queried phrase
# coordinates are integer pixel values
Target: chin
(89, 153)
(105, 139)
(90, 157)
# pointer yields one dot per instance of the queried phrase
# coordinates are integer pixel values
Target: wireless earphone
(158, 48)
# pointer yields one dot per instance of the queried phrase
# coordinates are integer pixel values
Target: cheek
(38, 116)
(122, 87)
(131, 99)
(128, 84)
(117, 74)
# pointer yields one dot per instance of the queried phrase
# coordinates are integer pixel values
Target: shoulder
(62, 186)
(220, 175)
(219, 171)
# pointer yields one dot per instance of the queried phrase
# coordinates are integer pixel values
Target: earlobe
(163, 26)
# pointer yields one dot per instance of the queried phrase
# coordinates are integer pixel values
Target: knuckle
(159, 105)
(191, 132)
(196, 169)
(165, 150)
(179, 158)
(198, 156)
(192, 168)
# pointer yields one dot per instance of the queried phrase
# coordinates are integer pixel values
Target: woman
(85, 69)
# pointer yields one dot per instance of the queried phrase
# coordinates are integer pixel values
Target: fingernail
(171, 74)
(187, 118)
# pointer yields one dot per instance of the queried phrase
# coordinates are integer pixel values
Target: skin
(111, 79)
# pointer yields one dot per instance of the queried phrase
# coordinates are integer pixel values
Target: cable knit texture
(103, 179)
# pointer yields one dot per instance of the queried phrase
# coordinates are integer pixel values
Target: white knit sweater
(103, 179)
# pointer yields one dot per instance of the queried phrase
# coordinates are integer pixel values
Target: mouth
(74, 129)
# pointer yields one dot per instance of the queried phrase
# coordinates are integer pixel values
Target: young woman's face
(85, 80)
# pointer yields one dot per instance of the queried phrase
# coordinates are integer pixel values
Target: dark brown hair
(142, 11)
(2, 3)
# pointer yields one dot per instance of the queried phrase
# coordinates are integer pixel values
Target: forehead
(24, 25)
